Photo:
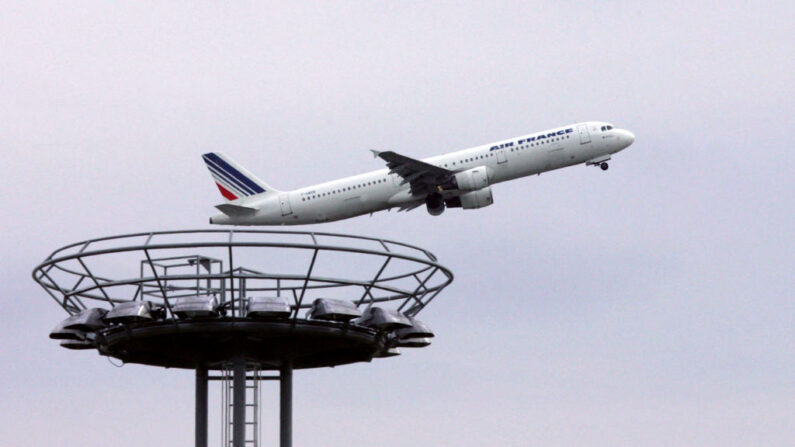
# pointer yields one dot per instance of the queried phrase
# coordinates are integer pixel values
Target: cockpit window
(604, 128)
(608, 127)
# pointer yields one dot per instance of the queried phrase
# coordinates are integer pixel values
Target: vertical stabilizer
(233, 180)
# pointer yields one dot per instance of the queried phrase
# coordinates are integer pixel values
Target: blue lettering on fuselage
(533, 138)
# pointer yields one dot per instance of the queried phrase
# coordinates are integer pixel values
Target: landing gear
(604, 166)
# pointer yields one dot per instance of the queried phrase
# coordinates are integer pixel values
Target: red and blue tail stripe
(231, 181)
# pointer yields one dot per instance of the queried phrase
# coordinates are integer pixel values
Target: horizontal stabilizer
(236, 210)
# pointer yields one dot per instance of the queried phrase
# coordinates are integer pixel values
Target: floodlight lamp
(60, 333)
(132, 311)
(199, 306)
(409, 342)
(267, 307)
(78, 344)
(335, 310)
(383, 319)
(418, 329)
(88, 320)
(387, 352)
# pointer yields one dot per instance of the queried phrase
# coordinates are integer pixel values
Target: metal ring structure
(232, 266)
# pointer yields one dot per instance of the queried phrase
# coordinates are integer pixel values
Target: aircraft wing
(423, 177)
(410, 206)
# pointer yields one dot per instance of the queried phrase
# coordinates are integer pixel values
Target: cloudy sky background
(651, 304)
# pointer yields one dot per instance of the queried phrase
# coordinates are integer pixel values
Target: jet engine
(470, 180)
(472, 200)
(435, 204)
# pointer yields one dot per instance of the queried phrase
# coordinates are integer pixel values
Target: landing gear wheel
(604, 166)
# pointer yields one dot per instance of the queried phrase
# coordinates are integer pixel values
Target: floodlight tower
(235, 304)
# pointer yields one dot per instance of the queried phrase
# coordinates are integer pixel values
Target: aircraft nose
(627, 138)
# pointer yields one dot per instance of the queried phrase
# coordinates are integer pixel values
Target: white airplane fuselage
(588, 142)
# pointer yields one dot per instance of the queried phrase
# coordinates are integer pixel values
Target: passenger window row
(347, 188)
(539, 143)
(469, 160)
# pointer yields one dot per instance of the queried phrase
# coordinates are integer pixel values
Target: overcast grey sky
(650, 305)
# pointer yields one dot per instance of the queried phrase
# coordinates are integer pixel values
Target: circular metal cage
(241, 302)
(233, 265)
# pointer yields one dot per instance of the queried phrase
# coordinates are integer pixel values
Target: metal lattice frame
(210, 265)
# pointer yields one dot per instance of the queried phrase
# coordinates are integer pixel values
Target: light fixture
(131, 311)
(198, 306)
(383, 319)
(59, 333)
(267, 307)
(418, 329)
(336, 310)
(76, 326)
(78, 344)
(409, 342)
(387, 352)
(88, 320)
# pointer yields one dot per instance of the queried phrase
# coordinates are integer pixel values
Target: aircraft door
(501, 158)
(284, 203)
(585, 137)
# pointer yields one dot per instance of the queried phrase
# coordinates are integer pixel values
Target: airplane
(461, 179)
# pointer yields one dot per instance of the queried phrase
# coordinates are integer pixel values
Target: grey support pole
(239, 404)
(286, 405)
(201, 406)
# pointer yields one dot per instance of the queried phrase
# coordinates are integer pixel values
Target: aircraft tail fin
(233, 180)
